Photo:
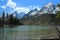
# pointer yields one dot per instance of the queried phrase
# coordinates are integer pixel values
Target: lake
(28, 32)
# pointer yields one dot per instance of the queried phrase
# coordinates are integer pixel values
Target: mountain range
(48, 8)
(18, 15)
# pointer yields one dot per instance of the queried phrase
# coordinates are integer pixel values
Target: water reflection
(27, 32)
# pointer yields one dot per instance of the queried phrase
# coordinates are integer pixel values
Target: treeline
(57, 16)
(9, 20)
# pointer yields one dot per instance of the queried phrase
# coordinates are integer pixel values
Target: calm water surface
(27, 32)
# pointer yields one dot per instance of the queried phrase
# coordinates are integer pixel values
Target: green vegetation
(58, 5)
(9, 20)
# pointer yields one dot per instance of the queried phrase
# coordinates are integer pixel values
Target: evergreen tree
(7, 22)
(57, 20)
(3, 18)
(58, 5)
(11, 19)
(7, 16)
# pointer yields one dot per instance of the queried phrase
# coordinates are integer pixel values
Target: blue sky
(10, 6)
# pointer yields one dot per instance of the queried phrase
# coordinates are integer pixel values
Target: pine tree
(11, 19)
(7, 19)
(3, 18)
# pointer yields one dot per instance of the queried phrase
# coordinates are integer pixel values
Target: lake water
(27, 32)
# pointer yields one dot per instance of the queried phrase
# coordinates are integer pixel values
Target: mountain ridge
(48, 8)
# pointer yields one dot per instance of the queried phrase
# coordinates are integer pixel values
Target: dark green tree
(3, 18)
(57, 22)
(11, 19)
(7, 17)
(58, 5)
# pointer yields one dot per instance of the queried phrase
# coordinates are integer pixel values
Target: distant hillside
(46, 16)
(42, 19)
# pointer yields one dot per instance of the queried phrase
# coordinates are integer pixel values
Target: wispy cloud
(9, 4)
(21, 9)
(3, 7)
(25, 9)
(14, 6)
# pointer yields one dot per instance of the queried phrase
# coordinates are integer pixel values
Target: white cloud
(14, 6)
(33, 7)
(25, 9)
(21, 9)
(9, 4)
(3, 7)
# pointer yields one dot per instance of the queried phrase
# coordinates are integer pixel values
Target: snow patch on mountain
(48, 8)
(49, 5)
